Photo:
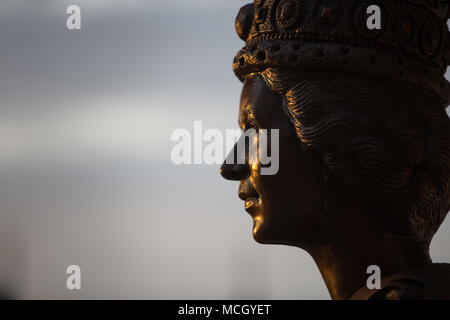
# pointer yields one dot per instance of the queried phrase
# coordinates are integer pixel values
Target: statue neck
(351, 241)
(343, 265)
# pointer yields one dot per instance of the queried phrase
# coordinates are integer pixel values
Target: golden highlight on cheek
(253, 176)
(254, 166)
(253, 153)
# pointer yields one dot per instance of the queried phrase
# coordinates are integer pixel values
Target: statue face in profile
(285, 206)
(364, 153)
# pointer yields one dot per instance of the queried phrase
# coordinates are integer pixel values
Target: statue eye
(251, 125)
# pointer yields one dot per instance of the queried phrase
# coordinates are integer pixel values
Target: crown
(412, 46)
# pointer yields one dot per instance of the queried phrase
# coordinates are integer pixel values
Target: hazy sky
(85, 125)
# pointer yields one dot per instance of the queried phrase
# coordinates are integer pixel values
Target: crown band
(411, 46)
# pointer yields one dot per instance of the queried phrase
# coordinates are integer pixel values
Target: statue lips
(250, 196)
(251, 205)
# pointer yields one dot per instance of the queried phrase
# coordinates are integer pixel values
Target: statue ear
(244, 21)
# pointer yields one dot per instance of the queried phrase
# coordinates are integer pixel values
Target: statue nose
(234, 172)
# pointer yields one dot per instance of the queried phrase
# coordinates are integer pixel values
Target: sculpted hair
(392, 146)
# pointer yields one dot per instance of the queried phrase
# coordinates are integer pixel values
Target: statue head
(364, 135)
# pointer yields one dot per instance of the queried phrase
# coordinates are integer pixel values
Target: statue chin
(363, 141)
(261, 235)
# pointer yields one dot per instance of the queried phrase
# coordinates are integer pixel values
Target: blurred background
(85, 170)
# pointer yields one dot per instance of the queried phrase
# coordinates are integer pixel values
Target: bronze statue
(364, 175)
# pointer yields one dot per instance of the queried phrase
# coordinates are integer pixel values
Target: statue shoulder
(429, 282)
